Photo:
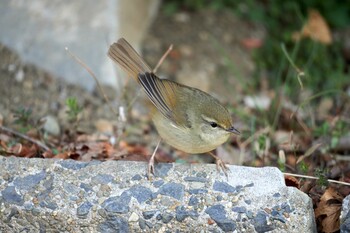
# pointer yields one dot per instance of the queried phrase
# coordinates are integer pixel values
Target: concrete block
(65, 195)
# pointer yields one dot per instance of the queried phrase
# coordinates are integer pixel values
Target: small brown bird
(185, 117)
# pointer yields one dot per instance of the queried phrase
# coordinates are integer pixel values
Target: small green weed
(73, 109)
(73, 114)
(23, 118)
(321, 174)
(302, 167)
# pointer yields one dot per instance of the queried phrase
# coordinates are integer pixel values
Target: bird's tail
(129, 60)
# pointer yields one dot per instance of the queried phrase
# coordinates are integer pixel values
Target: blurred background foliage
(325, 66)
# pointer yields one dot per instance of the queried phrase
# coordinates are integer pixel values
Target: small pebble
(239, 209)
(19, 76)
(249, 214)
(133, 217)
(248, 202)
(158, 183)
(137, 177)
(193, 201)
(142, 224)
(276, 195)
(51, 125)
(223, 187)
(275, 213)
(11, 67)
(167, 217)
(149, 214)
(149, 224)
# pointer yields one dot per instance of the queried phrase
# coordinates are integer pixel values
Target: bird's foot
(220, 165)
(150, 169)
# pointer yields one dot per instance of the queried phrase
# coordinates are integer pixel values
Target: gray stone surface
(345, 215)
(40, 30)
(43, 195)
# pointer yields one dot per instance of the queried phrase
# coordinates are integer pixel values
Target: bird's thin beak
(233, 130)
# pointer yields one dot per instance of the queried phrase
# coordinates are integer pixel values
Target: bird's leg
(220, 165)
(151, 161)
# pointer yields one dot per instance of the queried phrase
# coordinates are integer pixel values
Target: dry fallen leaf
(315, 28)
(328, 210)
(91, 137)
(133, 149)
(94, 150)
(63, 155)
(252, 43)
(21, 150)
(48, 154)
(291, 181)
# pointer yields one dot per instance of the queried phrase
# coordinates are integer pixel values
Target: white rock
(51, 125)
(19, 76)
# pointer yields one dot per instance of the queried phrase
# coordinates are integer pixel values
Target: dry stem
(316, 178)
(95, 78)
(25, 137)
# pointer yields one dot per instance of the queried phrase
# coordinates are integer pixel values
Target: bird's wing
(163, 94)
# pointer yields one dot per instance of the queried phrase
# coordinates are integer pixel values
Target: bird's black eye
(213, 124)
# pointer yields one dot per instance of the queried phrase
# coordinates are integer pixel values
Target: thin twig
(314, 97)
(303, 125)
(36, 142)
(95, 78)
(162, 58)
(316, 178)
(300, 73)
(342, 158)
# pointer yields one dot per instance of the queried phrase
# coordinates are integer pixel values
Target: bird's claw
(220, 165)
(150, 169)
